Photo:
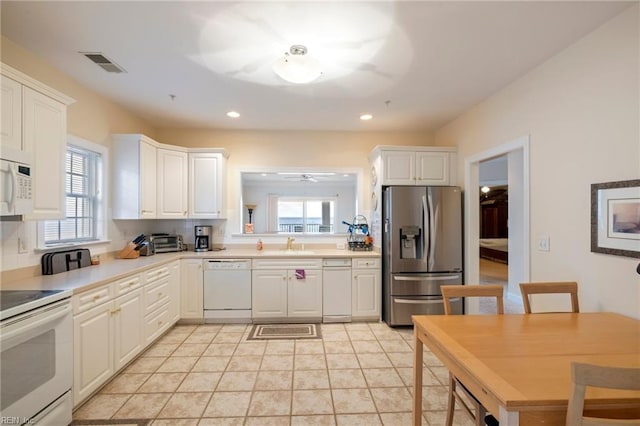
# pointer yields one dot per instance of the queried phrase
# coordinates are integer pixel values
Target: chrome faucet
(290, 243)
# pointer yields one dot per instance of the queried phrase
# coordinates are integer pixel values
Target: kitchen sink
(284, 252)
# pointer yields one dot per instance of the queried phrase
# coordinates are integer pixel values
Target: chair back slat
(492, 290)
(567, 287)
(584, 375)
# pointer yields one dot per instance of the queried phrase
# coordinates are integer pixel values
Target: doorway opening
(497, 222)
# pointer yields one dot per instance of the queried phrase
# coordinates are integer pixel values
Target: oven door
(36, 359)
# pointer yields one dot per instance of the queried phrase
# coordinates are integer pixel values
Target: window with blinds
(83, 176)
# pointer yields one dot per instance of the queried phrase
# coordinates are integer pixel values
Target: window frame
(100, 209)
(305, 200)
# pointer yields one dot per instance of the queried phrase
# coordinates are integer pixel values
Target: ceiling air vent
(103, 62)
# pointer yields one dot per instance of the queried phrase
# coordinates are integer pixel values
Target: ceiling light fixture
(366, 117)
(297, 67)
(233, 114)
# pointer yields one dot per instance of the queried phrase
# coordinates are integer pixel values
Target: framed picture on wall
(615, 218)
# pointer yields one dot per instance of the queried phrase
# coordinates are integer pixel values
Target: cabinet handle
(159, 294)
(160, 322)
(115, 311)
(96, 297)
(185, 213)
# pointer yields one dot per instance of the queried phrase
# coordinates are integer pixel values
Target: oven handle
(427, 278)
(33, 320)
(419, 301)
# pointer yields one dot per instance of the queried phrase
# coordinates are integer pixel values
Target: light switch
(544, 243)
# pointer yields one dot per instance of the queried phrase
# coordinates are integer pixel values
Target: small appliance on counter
(203, 238)
(165, 243)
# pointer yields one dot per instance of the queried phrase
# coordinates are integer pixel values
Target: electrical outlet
(22, 246)
(544, 243)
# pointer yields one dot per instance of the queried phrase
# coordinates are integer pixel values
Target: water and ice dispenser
(410, 242)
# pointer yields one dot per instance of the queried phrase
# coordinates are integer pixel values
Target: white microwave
(16, 188)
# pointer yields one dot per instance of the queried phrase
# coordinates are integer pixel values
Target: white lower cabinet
(269, 294)
(366, 289)
(278, 292)
(191, 289)
(304, 295)
(106, 338)
(114, 322)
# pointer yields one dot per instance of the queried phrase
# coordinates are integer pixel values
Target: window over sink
(300, 201)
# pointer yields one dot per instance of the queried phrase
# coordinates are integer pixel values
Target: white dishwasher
(227, 290)
(336, 290)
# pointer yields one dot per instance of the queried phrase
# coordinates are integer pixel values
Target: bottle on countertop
(259, 245)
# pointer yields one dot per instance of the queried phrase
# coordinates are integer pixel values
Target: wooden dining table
(519, 366)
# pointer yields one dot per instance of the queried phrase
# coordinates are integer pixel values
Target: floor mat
(119, 422)
(284, 331)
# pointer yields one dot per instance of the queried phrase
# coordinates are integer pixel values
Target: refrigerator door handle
(426, 237)
(432, 231)
(427, 278)
(418, 301)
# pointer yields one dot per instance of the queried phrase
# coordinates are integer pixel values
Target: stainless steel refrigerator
(421, 250)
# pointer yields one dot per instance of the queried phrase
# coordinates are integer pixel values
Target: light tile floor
(357, 374)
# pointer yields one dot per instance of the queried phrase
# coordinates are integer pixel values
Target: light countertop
(84, 279)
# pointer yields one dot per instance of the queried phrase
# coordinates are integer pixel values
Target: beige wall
(92, 116)
(581, 111)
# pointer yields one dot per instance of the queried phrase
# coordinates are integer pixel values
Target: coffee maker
(203, 238)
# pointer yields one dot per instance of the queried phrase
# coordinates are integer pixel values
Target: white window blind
(83, 176)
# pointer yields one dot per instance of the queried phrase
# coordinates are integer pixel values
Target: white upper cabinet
(206, 185)
(154, 180)
(172, 184)
(134, 177)
(412, 165)
(34, 130)
(11, 127)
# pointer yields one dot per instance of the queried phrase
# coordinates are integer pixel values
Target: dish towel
(300, 274)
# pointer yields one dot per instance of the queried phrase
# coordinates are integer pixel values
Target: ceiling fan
(303, 177)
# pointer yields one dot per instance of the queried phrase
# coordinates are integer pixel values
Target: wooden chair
(584, 375)
(549, 288)
(451, 291)
(457, 391)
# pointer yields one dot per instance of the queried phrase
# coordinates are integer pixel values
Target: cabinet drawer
(287, 263)
(89, 299)
(155, 295)
(156, 323)
(127, 284)
(156, 274)
(366, 263)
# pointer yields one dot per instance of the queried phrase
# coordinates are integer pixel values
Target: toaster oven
(165, 243)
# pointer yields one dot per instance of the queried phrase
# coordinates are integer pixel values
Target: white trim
(472, 210)
(102, 226)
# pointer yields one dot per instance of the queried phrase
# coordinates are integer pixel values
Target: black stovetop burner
(12, 298)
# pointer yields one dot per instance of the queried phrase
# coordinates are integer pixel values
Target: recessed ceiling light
(263, 174)
(233, 114)
(365, 117)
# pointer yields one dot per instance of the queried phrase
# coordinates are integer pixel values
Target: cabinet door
(174, 290)
(148, 181)
(365, 284)
(11, 110)
(128, 328)
(432, 168)
(191, 289)
(399, 168)
(172, 184)
(44, 133)
(92, 350)
(269, 293)
(305, 295)
(206, 185)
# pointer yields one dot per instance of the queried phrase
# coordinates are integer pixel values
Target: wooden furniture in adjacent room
(570, 288)
(518, 366)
